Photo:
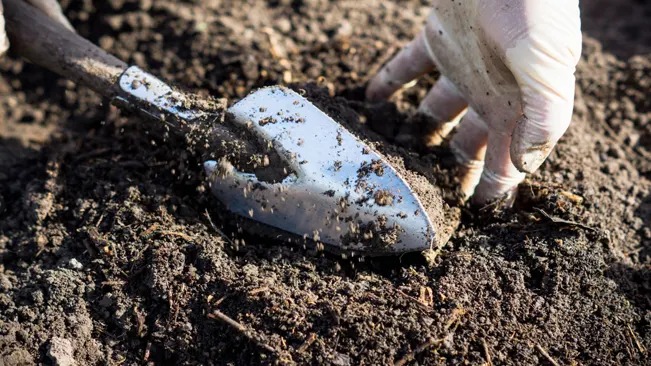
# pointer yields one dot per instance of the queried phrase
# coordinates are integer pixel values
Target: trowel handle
(49, 44)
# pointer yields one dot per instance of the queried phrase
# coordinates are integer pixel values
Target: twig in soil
(95, 238)
(258, 290)
(99, 221)
(176, 233)
(637, 343)
(151, 229)
(496, 204)
(221, 300)
(218, 315)
(410, 356)
(140, 320)
(308, 342)
(456, 314)
(557, 220)
(415, 300)
(487, 353)
(147, 351)
(546, 355)
(214, 227)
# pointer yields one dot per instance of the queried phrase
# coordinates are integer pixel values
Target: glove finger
(445, 105)
(4, 40)
(500, 178)
(543, 65)
(53, 10)
(410, 63)
(546, 116)
(469, 148)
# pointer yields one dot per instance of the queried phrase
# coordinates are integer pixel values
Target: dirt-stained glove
(49, 7)
(509, 66)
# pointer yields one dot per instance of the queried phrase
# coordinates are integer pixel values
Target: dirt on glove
(113, 251)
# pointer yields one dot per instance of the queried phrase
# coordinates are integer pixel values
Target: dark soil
(112, 251)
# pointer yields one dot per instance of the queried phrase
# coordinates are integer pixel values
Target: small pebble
(5, 284)
(60, 351)
(75, 264)
(631, 140)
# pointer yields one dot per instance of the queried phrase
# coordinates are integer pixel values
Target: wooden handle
(49, 44)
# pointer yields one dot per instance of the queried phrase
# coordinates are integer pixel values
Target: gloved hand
(49, 7)
(509, 66)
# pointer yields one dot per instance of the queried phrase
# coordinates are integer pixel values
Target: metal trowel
(341, 193)
(338, 192)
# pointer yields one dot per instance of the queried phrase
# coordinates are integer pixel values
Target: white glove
(509, 66)
(49, 7)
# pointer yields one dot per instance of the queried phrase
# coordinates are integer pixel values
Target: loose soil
(112, 250)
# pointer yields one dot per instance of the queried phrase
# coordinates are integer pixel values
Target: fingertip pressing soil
(112, 250)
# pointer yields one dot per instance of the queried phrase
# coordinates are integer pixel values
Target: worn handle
(49, 44)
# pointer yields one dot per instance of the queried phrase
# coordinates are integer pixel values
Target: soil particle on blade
(337, 165)
(375, 166)
(267, 120)
(383, 197)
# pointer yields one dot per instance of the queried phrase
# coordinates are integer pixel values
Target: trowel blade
(343, 194)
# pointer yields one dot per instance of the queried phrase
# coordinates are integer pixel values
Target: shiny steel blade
(343, 193)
